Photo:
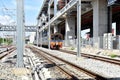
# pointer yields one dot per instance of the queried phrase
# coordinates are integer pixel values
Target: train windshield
(56, 37)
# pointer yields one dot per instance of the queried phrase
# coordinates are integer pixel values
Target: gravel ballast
(103, 68)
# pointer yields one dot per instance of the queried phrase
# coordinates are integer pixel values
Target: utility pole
(49, 26)
(79, 28)
(20, 33)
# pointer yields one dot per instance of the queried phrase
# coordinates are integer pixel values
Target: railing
(98, 42)
(61, 12)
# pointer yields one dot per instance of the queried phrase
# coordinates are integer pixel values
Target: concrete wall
(117, 27)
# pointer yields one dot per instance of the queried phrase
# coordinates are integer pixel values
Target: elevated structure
(13, 28)
(96, 15)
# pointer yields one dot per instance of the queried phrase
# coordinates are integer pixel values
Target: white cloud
(6, 20)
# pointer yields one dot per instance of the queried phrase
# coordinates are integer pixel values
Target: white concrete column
(40, 38)
(55, 28)
(37, 36)
(20, 33)
(99, 20)
(69, 30)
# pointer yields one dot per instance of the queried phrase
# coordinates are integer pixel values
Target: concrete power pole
(20, 33)
(79, 28)
(49, 26)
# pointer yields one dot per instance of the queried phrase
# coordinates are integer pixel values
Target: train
(56, 41)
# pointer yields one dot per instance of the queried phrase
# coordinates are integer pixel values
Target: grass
(72, 48)
(113, 55)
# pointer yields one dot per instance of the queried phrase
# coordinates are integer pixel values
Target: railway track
(51, 61)
(6, 52)
(6, 48)
(105, 59)
(92, 74)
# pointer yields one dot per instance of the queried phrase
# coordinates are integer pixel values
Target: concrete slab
(21, 71)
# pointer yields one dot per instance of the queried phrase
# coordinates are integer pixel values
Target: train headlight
(56, 43)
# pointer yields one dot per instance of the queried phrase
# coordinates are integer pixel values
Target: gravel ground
(46, 69)
(6, 72)
(103, 68)
(98, 52)
(80, 75)
(7, 68)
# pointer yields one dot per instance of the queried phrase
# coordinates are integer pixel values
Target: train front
(56, 41)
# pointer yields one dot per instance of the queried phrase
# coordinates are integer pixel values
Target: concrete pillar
(109, 19)
(55, 28)
(91, 31)
(37, 37)
(40, 38)
(69, 30)
(117, 27)
(99, 20)
(51, 31)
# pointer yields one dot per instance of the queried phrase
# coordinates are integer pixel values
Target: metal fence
(103, 42)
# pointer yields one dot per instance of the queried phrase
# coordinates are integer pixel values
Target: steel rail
(6, 53)
(70, 76)
(90, 73)
(105, 59)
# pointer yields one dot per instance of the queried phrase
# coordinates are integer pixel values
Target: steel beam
(13, 28)
(20, 33)
(79, 28)
(60, 13)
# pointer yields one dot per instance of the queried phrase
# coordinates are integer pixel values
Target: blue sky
(32, 8)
